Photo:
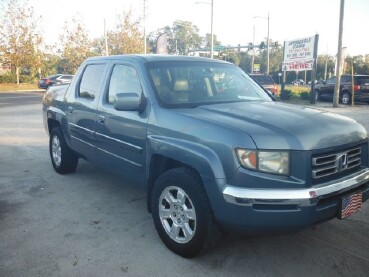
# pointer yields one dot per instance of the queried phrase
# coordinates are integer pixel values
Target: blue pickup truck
(213, 149)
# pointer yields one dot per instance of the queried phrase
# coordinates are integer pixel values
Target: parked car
(298, 82)
(266, 82)
(57, 79)
(209, 145)
(325, 89)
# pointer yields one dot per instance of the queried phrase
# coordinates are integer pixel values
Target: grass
(15, 87)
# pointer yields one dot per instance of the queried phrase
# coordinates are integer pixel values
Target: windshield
(185, 84)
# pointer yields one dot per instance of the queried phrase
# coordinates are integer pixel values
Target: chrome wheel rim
(345, 99)
(56, 150)
(177, 214)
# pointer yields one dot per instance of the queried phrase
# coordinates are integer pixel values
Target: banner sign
(299, 49)
(298, 65)
(161, 44)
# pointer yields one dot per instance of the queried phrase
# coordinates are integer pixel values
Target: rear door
(362, 83)
(121, 135)
(82, 110)
(327, 90)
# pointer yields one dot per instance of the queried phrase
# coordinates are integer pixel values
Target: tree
(127, 37)
(322, 61)
(76, 46)
(207, 40)
(17, 36)
(183, 37)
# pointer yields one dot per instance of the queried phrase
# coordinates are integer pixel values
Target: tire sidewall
(186, 183)
(349, 98)
(56, 133)
(69, 161)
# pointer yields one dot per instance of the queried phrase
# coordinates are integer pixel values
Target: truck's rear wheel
(182, 214)
(62, 157)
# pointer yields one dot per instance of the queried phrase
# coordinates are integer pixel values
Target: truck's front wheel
(62, 157)
(182, 214)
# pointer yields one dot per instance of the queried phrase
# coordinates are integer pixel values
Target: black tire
(62, 157)
(345, 98)
(205, 231)
(317, 96)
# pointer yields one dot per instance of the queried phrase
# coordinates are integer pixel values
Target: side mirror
(129, 101)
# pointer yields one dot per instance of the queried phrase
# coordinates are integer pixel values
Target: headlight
(276, 162)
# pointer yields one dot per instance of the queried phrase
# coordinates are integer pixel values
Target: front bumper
(245, 196)
(263, 211)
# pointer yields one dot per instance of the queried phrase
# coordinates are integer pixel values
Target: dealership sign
(299, 54)
(299, 49)
(298, 65)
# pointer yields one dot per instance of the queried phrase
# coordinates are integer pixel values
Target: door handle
(101, 119)
(70, 109)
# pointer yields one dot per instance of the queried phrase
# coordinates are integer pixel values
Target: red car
(266, 82)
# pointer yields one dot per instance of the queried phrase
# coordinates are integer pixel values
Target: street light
(211, 27)
(267, 18)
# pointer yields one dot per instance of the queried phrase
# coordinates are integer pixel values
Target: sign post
(313, 77)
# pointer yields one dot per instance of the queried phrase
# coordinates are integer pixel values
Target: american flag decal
(351, 204)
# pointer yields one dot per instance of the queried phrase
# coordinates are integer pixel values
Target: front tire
(62, 157)
(182, 214)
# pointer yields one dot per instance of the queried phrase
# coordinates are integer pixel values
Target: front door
(121, 135)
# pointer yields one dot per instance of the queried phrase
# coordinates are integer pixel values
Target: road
(91, 224)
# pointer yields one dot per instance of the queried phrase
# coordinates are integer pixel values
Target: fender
(58, 115)
(199, 157)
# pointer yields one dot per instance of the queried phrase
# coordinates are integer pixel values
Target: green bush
(11, 78)
(8, 78)
(305, 95)
(288, 94)
(29, 79)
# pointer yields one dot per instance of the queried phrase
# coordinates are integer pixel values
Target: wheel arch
(169, 153)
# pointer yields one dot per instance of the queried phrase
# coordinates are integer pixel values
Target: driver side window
(123, 79)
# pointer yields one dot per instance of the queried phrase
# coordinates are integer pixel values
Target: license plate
(351, 204)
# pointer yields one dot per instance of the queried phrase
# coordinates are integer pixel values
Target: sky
(234, 20)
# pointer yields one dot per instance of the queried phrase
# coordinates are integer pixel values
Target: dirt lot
(91, 224)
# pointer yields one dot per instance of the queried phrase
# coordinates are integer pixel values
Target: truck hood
(275, 125)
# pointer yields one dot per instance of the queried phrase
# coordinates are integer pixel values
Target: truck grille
(330, 164)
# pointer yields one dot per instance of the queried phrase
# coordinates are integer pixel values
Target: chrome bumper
(247, 197)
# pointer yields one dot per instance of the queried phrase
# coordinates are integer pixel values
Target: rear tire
(182, 214)
(345, 98)
(317, 96)
(62, 157)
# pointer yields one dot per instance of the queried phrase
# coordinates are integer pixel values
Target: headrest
(156, 80)
(181, 85)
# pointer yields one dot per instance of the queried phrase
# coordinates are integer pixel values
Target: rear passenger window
(90, 82)
(123, 79)
(363, 81)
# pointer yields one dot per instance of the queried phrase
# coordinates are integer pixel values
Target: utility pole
(339, 57)
(144, 25)
(326, 65)
(106, 40)
(268, 48)
(211, 30)
(253, 51)
(267, 18)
